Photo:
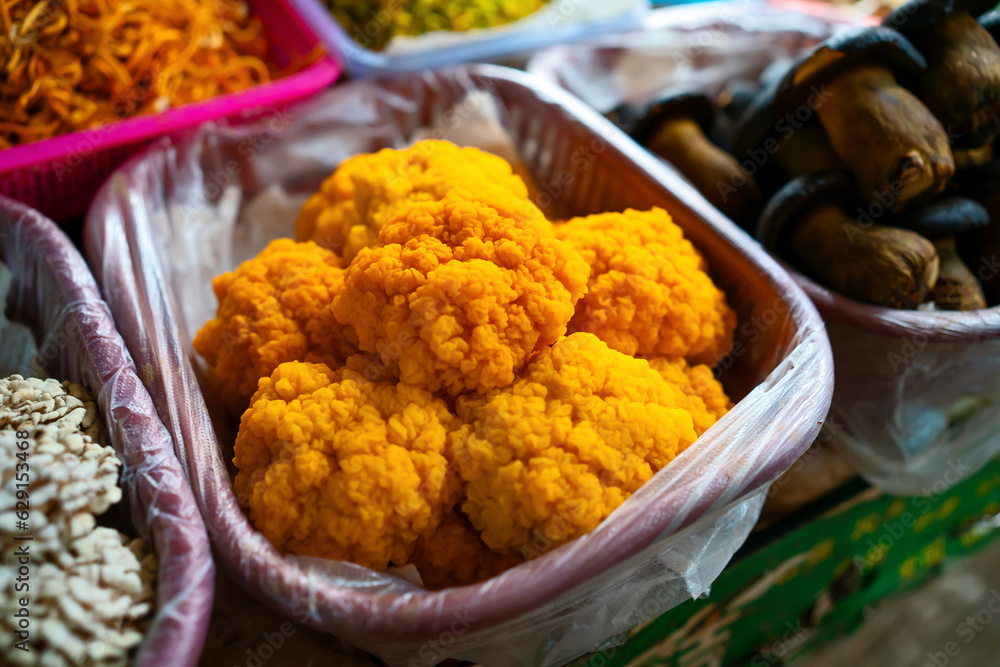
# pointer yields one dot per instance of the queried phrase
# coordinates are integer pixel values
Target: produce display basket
(917, 399)
(59, 176)
(489, 45)
(54, 294)
(149, 236)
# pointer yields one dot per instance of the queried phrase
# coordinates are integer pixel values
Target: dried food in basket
(77, 65)
(880, 223)
(87, 589)
(468, 426)
(554, 606)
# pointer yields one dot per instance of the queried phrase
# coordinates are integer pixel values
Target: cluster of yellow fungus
(439, 376)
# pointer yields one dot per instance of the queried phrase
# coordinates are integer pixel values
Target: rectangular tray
(557, 606)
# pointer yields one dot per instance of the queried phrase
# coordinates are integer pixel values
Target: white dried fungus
(35, 401)
(90, 587)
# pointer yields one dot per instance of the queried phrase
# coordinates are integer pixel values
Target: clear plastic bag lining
(171, 220)
(53, 294)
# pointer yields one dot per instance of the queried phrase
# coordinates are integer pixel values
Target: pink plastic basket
(59, 176)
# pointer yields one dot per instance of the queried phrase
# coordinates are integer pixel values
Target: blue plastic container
(362, 62)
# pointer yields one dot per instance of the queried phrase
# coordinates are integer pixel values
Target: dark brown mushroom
(980, 251)
(890, 141)
(780, 148)
(732, 101)
(957, 287)
(977, 182)
(676, 128)
(816, 222)
(798, 145)
(943, 218)
(808, 151)
(940, 221)
(980, 248)
(972, 157)
(736, 96)
(961, 85)
(754, 127)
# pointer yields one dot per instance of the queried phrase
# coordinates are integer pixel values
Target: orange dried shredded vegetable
(67, 65)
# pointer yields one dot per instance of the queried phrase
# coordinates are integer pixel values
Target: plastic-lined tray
(485, 45)
(917, 402)
(147, 240)
(59, 176)
(53, 293)
(917, 399)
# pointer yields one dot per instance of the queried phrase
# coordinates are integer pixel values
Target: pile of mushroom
(874, 157)
(87, 588)
(677, 128)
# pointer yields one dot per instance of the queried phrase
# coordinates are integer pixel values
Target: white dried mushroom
(35, 401)
(90, 587)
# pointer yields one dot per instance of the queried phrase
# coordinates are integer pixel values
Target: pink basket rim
(311, 79)
(826, 11)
